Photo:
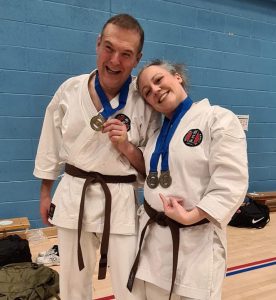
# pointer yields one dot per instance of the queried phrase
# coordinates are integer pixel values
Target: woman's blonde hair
(173, 68)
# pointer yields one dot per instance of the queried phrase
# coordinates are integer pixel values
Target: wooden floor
(247, 246)
(251, 255)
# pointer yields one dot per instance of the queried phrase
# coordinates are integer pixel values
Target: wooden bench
(14, 226)
(268, 198)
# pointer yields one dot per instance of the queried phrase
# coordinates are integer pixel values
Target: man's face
(117, 54)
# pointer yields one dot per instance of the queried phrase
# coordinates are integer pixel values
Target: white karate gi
(212, 175)
(68, 138)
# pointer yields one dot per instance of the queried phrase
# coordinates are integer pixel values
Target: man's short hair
(127, 22)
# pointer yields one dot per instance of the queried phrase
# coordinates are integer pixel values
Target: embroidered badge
(193, 138)
(124, 119)
(51, 211)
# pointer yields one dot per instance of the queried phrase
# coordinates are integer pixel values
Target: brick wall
(229, 48)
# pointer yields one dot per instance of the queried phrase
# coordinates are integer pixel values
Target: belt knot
(161, 219)
(94, 177)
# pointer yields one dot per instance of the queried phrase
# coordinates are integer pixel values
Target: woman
(197, 177)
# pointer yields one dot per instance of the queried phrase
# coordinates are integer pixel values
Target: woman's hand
(174, 210)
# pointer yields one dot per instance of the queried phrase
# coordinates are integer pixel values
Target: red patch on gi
(124, 119)
(193, 138)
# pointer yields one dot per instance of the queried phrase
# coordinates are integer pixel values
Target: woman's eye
(158, 79)
(147, 93)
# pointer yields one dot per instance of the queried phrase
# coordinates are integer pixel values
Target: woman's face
(162, 90)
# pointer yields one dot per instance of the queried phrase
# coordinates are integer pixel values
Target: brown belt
(161, 219)
(92, 178)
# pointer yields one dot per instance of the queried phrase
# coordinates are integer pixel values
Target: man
(94, 125)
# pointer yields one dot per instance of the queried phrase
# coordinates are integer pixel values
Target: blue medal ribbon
(165, 136)
(107, 108)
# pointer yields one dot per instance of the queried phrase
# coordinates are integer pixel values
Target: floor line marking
(111, 297)
(251, 266)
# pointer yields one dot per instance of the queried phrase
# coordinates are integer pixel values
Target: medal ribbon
(165, 136)
(107, 108)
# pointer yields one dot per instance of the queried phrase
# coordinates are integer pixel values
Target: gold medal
(97, 122)
(165, 179)
(152, 180)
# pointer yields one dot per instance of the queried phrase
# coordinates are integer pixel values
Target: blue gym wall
(229, 48)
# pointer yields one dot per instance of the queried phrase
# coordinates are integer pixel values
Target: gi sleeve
(48, 164)
(227, 166)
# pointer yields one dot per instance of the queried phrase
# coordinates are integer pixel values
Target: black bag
(30, 281)
(14, 249)
(251, 215)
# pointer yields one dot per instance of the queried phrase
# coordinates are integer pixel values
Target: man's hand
(117, 133)
(45, 199)
(45, 203)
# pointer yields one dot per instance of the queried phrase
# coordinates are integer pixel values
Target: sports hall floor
(251, 264)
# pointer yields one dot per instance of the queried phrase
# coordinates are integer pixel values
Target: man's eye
(108, 48)
(126, 55)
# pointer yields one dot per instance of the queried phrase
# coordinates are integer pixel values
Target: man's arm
(134, 155)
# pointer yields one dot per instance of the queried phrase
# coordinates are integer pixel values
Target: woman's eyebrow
(155, 75)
